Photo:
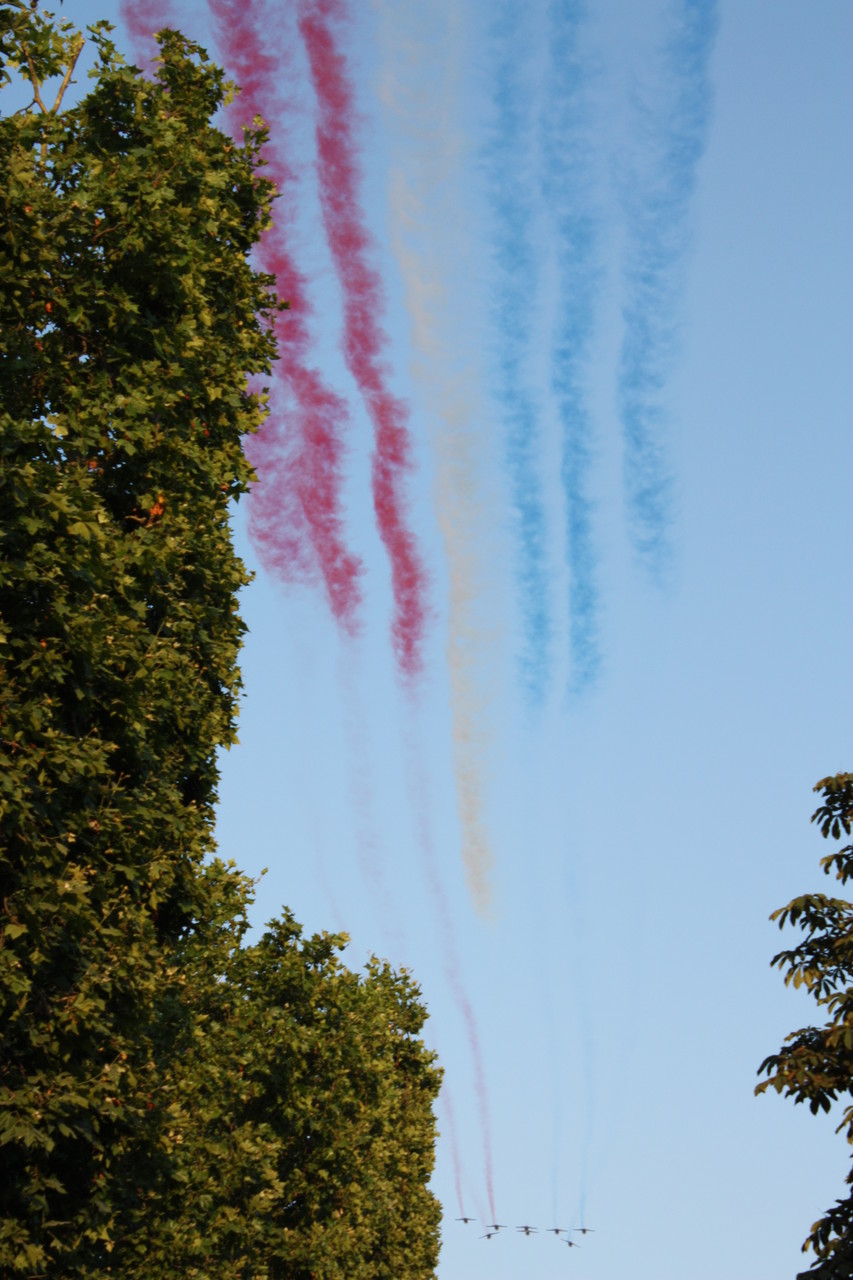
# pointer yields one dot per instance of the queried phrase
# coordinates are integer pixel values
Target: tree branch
(34, 79)
(66, 79)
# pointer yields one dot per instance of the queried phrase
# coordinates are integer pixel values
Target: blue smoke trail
(508, 156)
(566, 191)
(673, 136)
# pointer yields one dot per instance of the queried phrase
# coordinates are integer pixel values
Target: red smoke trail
(451, 970)
(364, 340)
(451, 958)
(295, 513)
(454, 1147)
(141, 19)
(367, 841)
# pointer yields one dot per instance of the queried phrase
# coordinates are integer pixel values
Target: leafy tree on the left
(172, 1102)
(129, 319)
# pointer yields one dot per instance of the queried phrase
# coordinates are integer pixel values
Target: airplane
(572, 1244)
(466, 1220)
(495, 1226)
(527, 1230)
(584, 1230)
(488, 1235)
(559, 1230)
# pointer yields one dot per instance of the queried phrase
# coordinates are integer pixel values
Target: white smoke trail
(433, 249)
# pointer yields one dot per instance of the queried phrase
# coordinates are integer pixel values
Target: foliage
(128, 320)
(299, 1112)
(161, 1085)
(816, 1063)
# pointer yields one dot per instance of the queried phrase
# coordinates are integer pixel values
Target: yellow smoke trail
(433, 255)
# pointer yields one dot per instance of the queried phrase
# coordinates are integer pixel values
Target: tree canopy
(815, 1065)
(300, 1130)
(173, 1101)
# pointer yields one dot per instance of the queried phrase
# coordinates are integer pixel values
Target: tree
(130, 318)
(300, 1123)
(815, 1065)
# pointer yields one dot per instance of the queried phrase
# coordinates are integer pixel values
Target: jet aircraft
(466, 1220)
(527, 1230)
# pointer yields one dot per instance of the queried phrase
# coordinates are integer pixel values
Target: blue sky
(577, 820)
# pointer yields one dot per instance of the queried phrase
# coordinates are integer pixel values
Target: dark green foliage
(816, 1064)
(127, 326)
(172, 1103)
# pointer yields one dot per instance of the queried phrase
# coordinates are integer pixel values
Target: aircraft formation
(493, 1229)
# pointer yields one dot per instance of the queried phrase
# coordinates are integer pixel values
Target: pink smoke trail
(450, 955)
(364, 339)
(295, 512)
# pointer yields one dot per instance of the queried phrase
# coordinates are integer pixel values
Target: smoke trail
(368, 844)
(450, 952)
(577, 934)
(566, 191)
(295, 510)
(428, 258)
(673, 135)
(364, 340)
(431, 248)
(509, 158)
(454, 1146)
(141, 18)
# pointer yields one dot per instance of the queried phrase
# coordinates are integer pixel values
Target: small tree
(300, 1127)
(816, 1064)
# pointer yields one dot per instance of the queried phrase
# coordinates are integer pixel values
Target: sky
(549, 629)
